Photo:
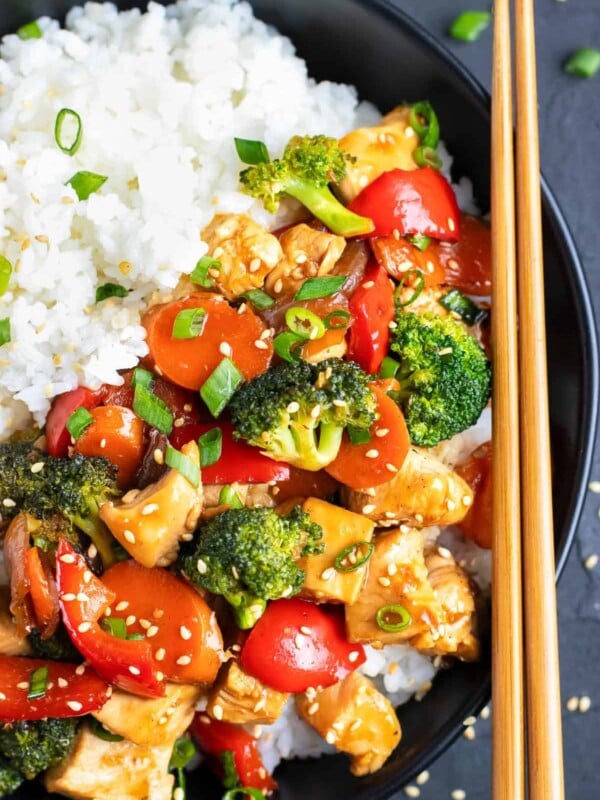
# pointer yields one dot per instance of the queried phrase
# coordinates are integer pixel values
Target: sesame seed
(469, 720)
(436, 484)
(585, 704)
(572, 704)
(152, 631)
(185, 633)
(305, 630)
(391, 467)
(179, 794)
(445, 351)
(68, 597)
(301, 258)
(37, 467)
(591, 561)
(8, 503)
(485, 712)
(80, 669)
(368, 284)
(450, 505)
(355, 725)
(372, 453)
(159, 456)
(260, 345)
(150, 508)
(134, 670)
(23, 685)
(339, 403)
(451, 224)
(2, 696)
(129, 536)
(184, 661)
(315, 411)
(293, 407)
(389, 514)
(242, 309)
(122, 605)
(330, 737)
(103, 443)
(368, 508)
(201, 566)
(84, 627)
(594, 486)
(217, 711)
(444, 552)
(312, 709)
(381, 432)
(404, 528)
(92, 551)
(163, 720)
(68, 558)
(74, 705)
(412, 791)
(393, 325)
(383, 581)
(392, 569)
(469, 733)
(422, 777)
(260, 705)
(298, 640)
(145, 623)
(467, 500)
(277, 288)
(160, 654)
(419, 518)
(353, 656)
(327, 574)
(87, 576)
(396, 234)
(82, 597)
(130, 620)
(225, 349)
(255, 265)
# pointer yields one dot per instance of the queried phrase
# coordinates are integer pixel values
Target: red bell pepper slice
(42, 591)
(282, 654)
(419, 201)
(477, 472)
(71, 690)
(372, 306)
(58, 437)
(239, 463)
(126, 663)
(215, 738)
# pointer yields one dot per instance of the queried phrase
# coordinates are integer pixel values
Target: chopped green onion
(243, 792)
(252, 151)
(184, 751)
(349, 560)
(466, 309)
(29, 31)
(389, 367)
(203, 267)
(427, 157)
(229, 497)
(152, 409)
(219, 387)
(4, 331)
(77, 423)
(313, 288)
(259, 299)
(183, 464)
(86, 183)
(420, 241)
(211, 445)
(469, 25)
(110, 290)
(5, 273)
(423, 120)
(102, 733)
(189, 323)
(584, 63)
(358, 435)
(63, 115)
(38, 682)
(393, 618)
(304, 322)
(341, 315)
(141, 377)
(230, 776)
(418, 288)
(287, 345)
(115, 626)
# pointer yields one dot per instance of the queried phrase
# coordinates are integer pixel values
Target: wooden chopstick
(544, 730)
(507, 642)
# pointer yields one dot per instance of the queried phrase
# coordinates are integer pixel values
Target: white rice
(161, 96)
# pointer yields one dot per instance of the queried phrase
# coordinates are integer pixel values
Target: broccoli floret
(297, 412)
(32, 747)
(247, 555)
(10, 778)
(444, 375)
(57, 647)
(305, 170)
(69, 488)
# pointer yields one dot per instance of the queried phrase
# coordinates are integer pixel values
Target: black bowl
(389, 58)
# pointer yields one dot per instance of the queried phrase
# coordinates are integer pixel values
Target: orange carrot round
(117, 434)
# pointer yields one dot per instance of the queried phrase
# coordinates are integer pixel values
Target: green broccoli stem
(326, 207)
(247, 609)
(317, 454)
(101, 538)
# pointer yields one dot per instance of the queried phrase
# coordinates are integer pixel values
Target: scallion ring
(185, 465)
(420, 241)
(141, 377)
(189, 323)
(252, 151)
(69, 116)
(393, 618)
(86, 183)
(305, 323)
(102, 733)
(349, 560)
(423, 120)
(78, 422)
(201, 273)
(358, 435)
(337, 320)
(259, 299)
(218, 389)
(110, 290)
(460, 304)
(288, 345)
(314, 288)
(469, 25)
(211, 445)
(229, 497)
(152, 409)
(115, 626)
(584, 63)
(389, 367)
(38, 683)
(4, 331)
(5, 273)
(31, 30)
(418, 288)
(427, 157)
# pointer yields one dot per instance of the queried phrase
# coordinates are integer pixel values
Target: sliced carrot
(377, 461)
(226, 333)
(186, 640)
(398, 257)
(477, 472)
(43, 592)
(117, 434)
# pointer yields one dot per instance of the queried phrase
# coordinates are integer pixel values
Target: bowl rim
(588, 411)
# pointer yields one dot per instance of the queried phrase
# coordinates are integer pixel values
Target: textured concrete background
(570, 130)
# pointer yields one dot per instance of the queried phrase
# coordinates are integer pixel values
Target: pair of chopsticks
(524, 624)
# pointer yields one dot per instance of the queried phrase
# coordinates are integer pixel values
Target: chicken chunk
(11, 644)
(454, 592)
(388, 145)
(341, 529)
(397, 576)
(99, 770)
(246, 251)
(356, 718)
(423, 492)
(151, 523)
(307, 252)
(239, 698)
(151, 721)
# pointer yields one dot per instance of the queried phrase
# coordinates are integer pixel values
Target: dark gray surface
(569, 129)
